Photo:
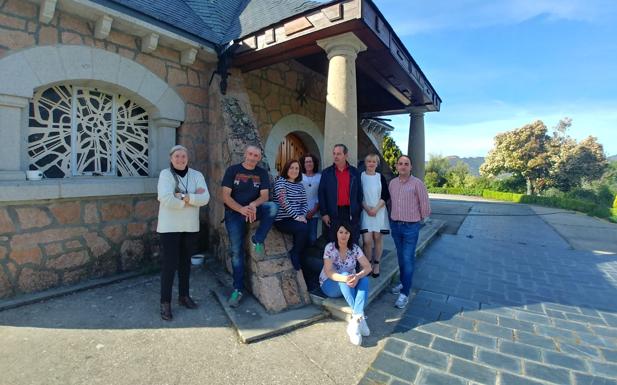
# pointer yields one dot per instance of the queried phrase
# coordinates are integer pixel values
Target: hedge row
(456, 191)
(559, 202)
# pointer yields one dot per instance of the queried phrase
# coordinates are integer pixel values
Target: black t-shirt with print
(245, 184)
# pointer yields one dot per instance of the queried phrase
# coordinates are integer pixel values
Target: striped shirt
(291, 198)
(409, 200)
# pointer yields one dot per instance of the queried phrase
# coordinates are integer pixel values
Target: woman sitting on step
(339, 277)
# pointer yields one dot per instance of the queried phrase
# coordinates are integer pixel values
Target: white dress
(371, 187)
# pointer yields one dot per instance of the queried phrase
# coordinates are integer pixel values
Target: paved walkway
(510, 300)
(498, 303)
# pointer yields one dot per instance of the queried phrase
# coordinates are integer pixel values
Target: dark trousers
(300, 232)
(344, 215)
(177, 249)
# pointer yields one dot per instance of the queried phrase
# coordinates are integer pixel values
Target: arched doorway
(291, 147)
(306, 133)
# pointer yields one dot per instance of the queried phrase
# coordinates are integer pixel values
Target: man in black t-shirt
(245, 194)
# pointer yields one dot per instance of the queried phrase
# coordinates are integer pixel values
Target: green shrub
(513, 183)
(502, 196)
(456, 191)
(615, 203)
(553, 201)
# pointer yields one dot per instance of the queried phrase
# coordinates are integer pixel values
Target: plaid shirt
(409, 200)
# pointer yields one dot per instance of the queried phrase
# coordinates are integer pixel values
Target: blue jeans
(356, 297)
(312, 230)
(405, 235)
(299, 230)
(236, 225)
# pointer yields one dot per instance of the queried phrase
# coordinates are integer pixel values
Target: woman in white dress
(375, 220)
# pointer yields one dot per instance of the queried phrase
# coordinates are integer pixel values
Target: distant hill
(612, 158)
(474, 163)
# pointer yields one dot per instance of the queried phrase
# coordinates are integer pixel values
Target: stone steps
(338, 308)
(251, 320)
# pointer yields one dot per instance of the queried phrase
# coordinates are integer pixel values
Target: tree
(576, 163)
(391, 152)
(436, 171)
(458, 176)
(524, 152)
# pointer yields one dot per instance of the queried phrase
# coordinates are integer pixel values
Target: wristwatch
(182, 196)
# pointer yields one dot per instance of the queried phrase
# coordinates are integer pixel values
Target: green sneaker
(259, 248)
(234, 299)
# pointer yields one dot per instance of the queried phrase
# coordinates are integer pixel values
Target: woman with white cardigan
(181, 192)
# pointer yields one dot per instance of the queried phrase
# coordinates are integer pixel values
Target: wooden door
(291, 147)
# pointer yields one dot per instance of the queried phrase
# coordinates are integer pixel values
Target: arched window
(76, 131)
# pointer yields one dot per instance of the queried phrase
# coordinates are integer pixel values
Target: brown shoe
(187, 302)
(166, 311)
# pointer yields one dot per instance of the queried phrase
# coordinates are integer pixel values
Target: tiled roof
(214, 21)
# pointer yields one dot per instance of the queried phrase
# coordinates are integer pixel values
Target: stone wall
(48, 244)
(44, 244)
(286, 88)
(20, 28)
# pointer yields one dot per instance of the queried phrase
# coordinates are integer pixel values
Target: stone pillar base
(272, 278)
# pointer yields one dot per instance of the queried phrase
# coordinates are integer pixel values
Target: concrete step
(338, 308)
(251, 320)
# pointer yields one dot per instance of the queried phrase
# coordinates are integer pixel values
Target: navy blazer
(328, 187)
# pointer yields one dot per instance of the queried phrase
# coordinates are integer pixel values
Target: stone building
(93, 93)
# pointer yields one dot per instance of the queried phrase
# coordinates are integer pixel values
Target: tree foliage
(546, 161)
(459, 175)
(391, 152)
(436, 171)
(524, 152)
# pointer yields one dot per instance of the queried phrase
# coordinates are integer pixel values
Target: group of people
(348, 201)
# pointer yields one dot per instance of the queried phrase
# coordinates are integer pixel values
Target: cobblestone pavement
(505, 301)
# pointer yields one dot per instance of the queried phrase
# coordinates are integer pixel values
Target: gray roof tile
(214, 21)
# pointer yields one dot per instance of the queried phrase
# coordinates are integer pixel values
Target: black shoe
(375, 275)
(166, 311)
(187, 302)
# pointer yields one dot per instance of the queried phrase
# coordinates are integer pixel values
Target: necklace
(310, 179)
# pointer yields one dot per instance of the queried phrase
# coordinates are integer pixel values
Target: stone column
(341, 122)
(163, 138)
(12, 118)
(416, 143)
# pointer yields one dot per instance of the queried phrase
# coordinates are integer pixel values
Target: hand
(326, 220)
(352, 280)
(372, 211)
(310, 214)
(301, 218)
(200, 190)
(249, 212)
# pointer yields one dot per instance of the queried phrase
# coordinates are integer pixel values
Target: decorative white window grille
(77, 131)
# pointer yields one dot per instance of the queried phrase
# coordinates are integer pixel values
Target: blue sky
(499, 64)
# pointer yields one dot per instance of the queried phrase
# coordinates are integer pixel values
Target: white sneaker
(401, 301)
(364, 330)
(397, 289)
(353, 331)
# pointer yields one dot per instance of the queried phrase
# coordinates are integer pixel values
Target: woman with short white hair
(181, 192)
